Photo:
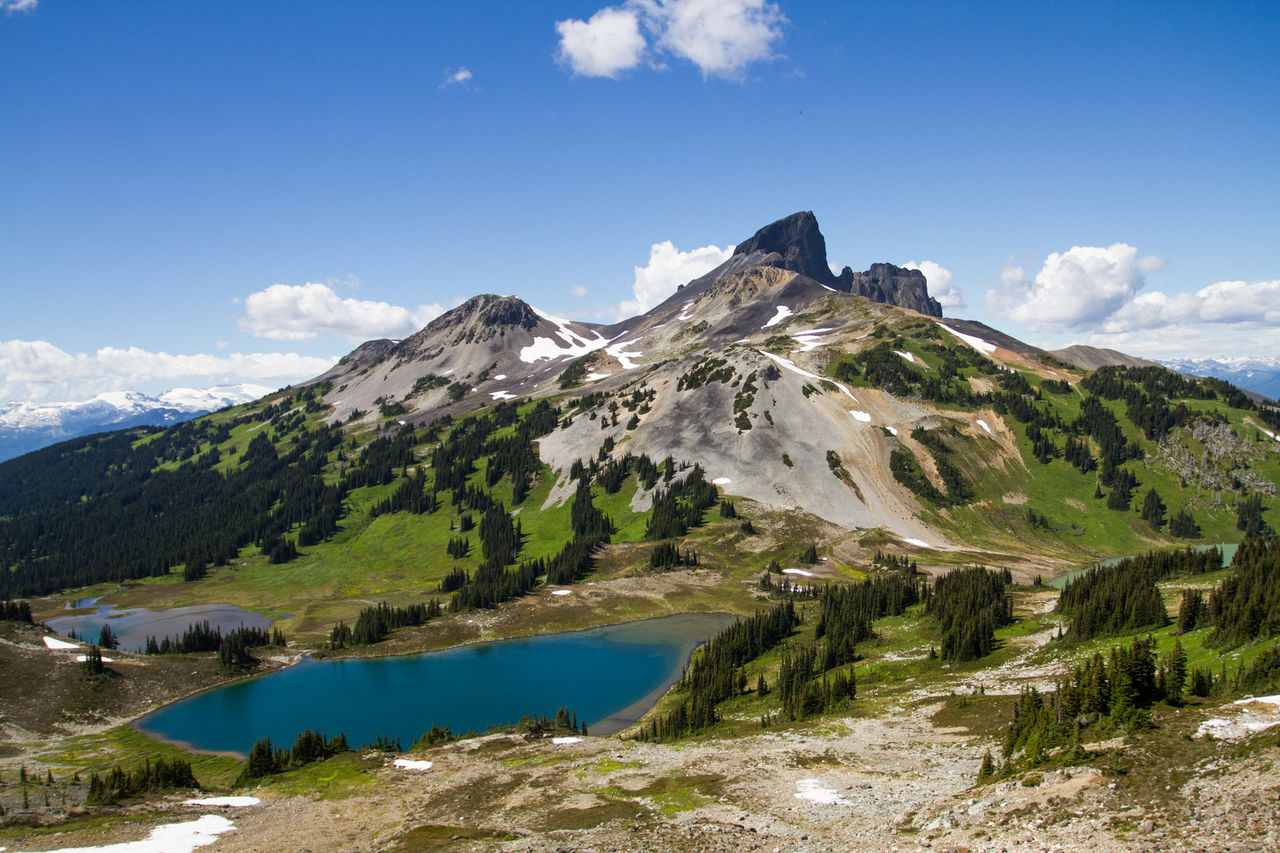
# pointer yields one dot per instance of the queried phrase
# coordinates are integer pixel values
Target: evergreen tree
(1153, 509)
(107, 638)
(1183, 525)
(1174, 674)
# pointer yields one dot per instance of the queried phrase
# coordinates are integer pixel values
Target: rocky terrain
(898, 776)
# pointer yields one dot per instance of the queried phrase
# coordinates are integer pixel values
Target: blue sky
(204, 192)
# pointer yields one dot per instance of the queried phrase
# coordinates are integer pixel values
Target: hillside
(825, 456)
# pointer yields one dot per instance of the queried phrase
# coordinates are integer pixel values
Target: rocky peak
(478, 319)
(796, 244)
(799, 244)
(492, 311)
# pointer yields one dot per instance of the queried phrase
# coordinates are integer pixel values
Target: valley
(880, 495)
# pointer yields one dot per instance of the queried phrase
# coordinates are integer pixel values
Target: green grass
(345, 775)
(124, 747)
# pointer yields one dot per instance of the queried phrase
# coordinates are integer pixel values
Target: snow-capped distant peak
(211, 399)
(1260, 374)
(26, 426)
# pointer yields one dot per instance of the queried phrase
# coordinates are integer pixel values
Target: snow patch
(592, 377)
(983, 424)
(721, 481)
(228, 802)
(83, 658)
(1255, 714)
(563, 592)
(907, 355)
(684, 312)
(624, 358)
(500, 377)
(865, 417)
(791, 365)
(919, 543)
(410, 764)
(502, 395)
(783, 313)
(564, 741)
(172, 838)
(797, 572)
(812, 790)
(892, 430)
(977, 343)
(809, 340)
(574, 344)
(55, 643)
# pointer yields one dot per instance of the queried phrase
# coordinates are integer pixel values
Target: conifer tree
(1153, 509)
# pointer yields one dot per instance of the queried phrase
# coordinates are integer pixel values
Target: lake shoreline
(614, 723)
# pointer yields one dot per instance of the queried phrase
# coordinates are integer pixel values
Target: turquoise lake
(609, 676)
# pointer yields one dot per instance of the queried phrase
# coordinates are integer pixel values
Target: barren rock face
(892, 285)
(798, 243)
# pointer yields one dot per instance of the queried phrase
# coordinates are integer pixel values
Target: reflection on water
(132, 626)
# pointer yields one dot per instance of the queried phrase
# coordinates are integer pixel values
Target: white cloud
(455, 76)
(1189, 341)
(1230, 303)
(668, 268)
(603, 46)
(12, 6)
(37, 371)
(291, 312)
(1076, 289)
(1096, 291)
(720, 37)
(938, 279)
(578, 291)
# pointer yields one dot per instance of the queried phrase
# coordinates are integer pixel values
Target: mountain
(29, 426)
(498, 346)
(1091, 358)
(774, 294)
(1260, 375)
(800, 247)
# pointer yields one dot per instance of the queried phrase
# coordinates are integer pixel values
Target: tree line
(716, 672)
(1122, 598)
(374, 623)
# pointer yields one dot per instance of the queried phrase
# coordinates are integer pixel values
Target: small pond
(132, 626)
(1060, 582)
(608, 676)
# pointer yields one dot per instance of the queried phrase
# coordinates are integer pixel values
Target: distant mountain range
(29, 426)
(1261, 375)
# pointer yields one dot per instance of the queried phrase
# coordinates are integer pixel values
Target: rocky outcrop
(892, 285)
(796, 244)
